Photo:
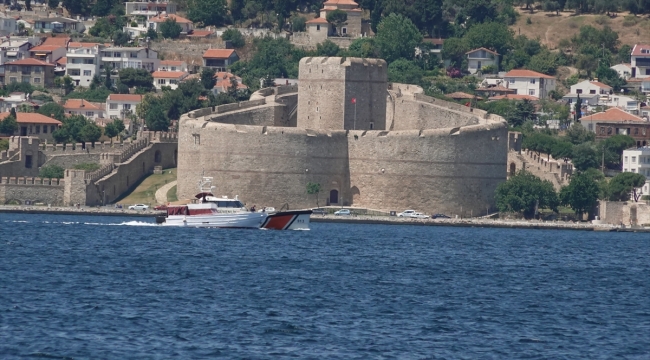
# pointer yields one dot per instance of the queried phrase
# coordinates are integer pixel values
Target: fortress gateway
(369, 143)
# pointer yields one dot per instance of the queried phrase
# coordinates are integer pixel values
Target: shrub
(602, 20)
(630, 20)
(4, 144)
(298, 24)
(51, 172)
(529, 21)
(235, 37)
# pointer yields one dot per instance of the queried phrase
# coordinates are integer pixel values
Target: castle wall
(266, 166)
(68, 161)
(31, 191)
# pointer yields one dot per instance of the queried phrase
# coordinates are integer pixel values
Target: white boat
(224, 212)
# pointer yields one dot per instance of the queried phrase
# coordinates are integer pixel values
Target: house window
(317, 27)
(113, 106)
(12, 80)
(344, 30)
(134, 55)
(113, 116)
(26, 79)
(37, 69)
(633, 159)
(52, 128)
(74, 72)
(173, 81)
(591, 127)
(161, 81)
(88, 73)
(531, 92)
(512, 81)
(592, 91)
(126, 107)
(38, 129)
(37, 80)
(90, 113)
(89, 61)
(14, 69)
(647, 71)
(532, 81)
(117, 54)
(44, 129)
(173, 68)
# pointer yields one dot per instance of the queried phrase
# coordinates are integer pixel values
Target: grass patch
(171, 194)
(145, 192)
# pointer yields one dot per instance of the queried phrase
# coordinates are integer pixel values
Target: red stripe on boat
(279, 222)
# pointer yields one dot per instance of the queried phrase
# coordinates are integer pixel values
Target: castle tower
(332, 89)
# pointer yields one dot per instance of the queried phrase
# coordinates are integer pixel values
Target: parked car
(160, 207)
(440, 216)
(139, 207)
(344, 212)
(418, 215)
(406, 213)
(319, 212)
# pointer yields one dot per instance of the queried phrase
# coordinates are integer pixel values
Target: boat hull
(252, 220)
(288, 220)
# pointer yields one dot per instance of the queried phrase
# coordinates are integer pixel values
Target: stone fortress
(369, 143)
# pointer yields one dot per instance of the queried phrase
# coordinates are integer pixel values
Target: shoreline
(356, 219)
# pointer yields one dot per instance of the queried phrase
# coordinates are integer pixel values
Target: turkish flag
(354, 100)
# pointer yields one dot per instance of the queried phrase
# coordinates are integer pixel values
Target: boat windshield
(228, 204)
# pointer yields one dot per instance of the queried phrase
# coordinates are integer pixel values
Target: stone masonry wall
(627, 213)
(31, 191)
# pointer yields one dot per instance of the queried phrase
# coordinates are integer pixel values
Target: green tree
(397, 38)
(108, 83)
(52, 4)
(207, 78)
(102, 7)
(237, 9)
(114, 128)
(77, 7)
(363, 47)
(156, 119)
(581, 194)
(455, 50)
(121, 38)
(610, 77)
(140, 78)
(298, 24)
(625, 184)
(90, 132)
(51, 172)
(495, 36)
(612, 149)
(562, 150)
(207, 12)
(544, 62)
(52, 110)
(314, 189)
(327, 48)
(169, 29)
(68, 85)
(540, 143)
(235, 37)
(152, 34)
(9, 125)
(405, 72)
(525, 193)
(577, 134)
(338, 18)
(524, 111)
(61, 136)
(584, 157)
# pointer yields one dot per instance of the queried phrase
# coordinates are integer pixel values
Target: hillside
(550, 29)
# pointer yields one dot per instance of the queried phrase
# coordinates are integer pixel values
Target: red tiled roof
(638, 49)
(611, 114)
(514, 97)
(163, 18)
(218, 53)
(45, 48)
(32, 118)
(498, 88)
(74, 44)
(30, 61)
(80, 104)
(125, 97)
(224, 80)
(601, 85)
(527, 74)
(340, 2)
(62, 61)
(200, 33)
(59, 41)
(482, 48)
(317, 21)
(168, 74)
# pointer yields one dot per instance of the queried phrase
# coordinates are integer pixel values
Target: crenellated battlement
(158, 136)
(31, 181)
(57, 149)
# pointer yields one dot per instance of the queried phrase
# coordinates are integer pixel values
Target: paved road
(161, 194)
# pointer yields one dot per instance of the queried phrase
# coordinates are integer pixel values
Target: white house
(625, 103)
(185, 24)
(12, 101)
(638, 161)
(172, 65)
(83, 107)
(168, 78)
(480, 58)
(149, 9)
(129, 57)
(58, 25)
(623, 70)
(119, 106)
(640, 61)
(591, 87)
(8, 26)
(83, 63)
(528, 82)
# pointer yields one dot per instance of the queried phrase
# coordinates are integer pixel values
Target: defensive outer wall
(428, 155)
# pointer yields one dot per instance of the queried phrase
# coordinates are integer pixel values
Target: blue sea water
(77, 287)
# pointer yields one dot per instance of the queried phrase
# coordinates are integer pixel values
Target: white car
(139, 207)
(344, 212)
(418, 215)
(406, 213)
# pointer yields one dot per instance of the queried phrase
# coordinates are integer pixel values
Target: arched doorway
(513, 169)
(356, 195)
(334, 196)
(157, 157)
